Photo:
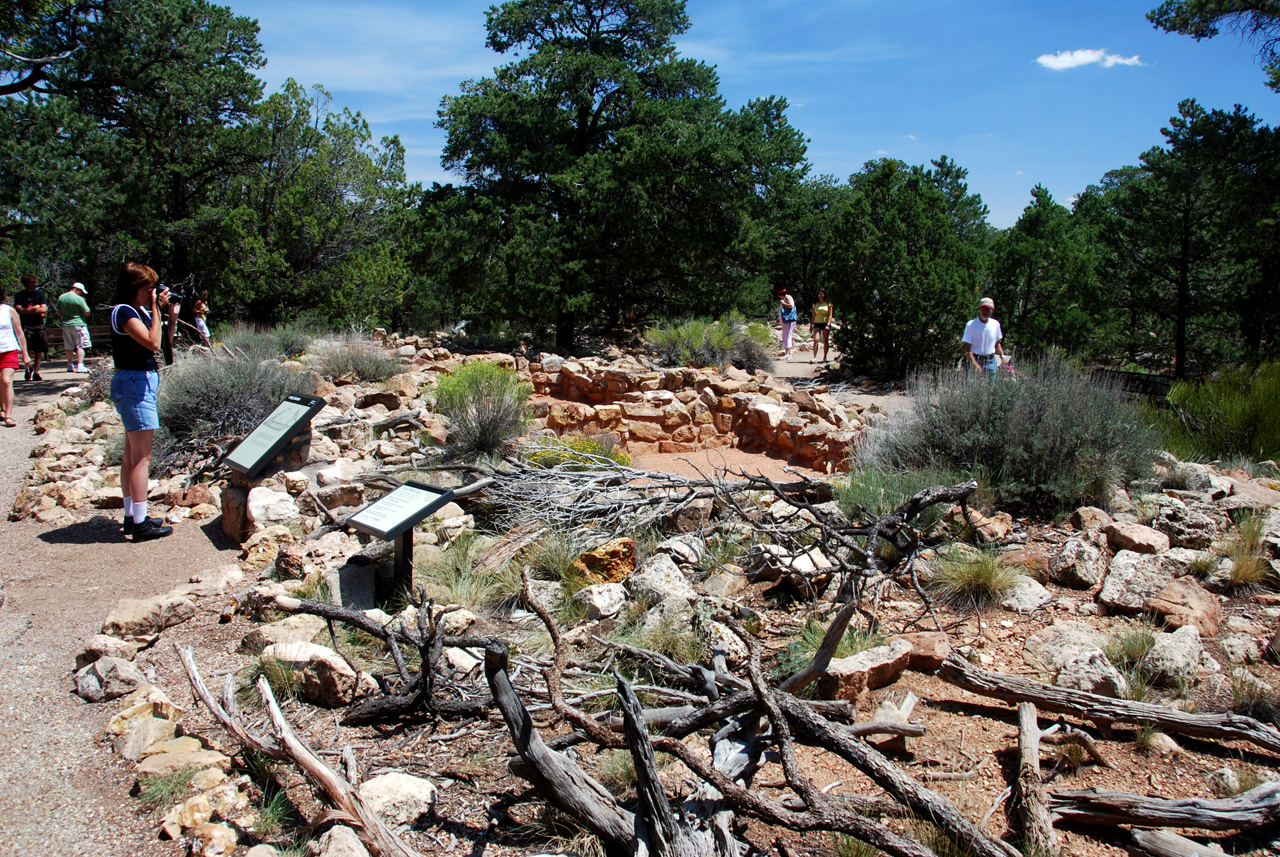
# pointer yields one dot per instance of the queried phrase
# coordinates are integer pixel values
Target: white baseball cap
(79, 287)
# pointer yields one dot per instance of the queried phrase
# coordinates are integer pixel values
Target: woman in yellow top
(820, 321)
(201, 312)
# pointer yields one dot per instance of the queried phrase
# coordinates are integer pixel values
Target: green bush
(487, 408)
(1050, 438)
(871, 491)
(1233, 414)
(800, 650)
(700, 343)
(217, 398)
(576, 452)
(354, 355)
(289, 341)
(973, 579)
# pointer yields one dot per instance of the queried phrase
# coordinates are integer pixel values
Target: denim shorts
(134, 394)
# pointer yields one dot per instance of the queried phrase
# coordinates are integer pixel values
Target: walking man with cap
(74, 310)
(981, 340)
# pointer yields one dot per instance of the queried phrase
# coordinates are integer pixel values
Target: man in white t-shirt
(981, 340)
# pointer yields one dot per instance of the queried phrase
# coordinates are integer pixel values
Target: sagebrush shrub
(354, 355)
(871, 491)
(576, 452)
(486, 406)
(1050, 438)
(290, 340)
(203, 396)
(701, 343)
(1232, 414)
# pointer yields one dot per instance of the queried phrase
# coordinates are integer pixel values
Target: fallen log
(1162, 843)
(1037, 826)
(1257, 806)
(1105, 710)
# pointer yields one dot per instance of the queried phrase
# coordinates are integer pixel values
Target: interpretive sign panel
(397, 511)
(265, 441)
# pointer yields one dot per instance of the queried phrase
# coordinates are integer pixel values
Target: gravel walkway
(63, 790)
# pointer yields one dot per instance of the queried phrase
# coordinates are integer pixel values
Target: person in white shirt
(981, 340)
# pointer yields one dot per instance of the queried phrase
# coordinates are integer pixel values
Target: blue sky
(1019, 92)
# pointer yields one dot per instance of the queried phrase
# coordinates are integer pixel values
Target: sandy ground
(64, 792)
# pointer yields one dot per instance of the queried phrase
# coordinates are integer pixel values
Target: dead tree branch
(1257, 806)
(1037, 827)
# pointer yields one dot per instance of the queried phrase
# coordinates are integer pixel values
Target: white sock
(139, 511)
(128, 506)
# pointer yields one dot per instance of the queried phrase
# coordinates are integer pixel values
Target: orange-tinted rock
(609, 563)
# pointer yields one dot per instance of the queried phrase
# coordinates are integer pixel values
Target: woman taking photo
(136, 332)
(13, 353)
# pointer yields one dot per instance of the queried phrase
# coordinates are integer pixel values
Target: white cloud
(881, 151)
(911, 136)
(1063, 60)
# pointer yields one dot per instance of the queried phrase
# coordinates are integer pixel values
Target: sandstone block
(141, 617)
(169, 763)
(102, 646)
(300, 628)
(1186, 602)
(398, 798)
(847, 678)
(1132, 579)
(326, 679)
(928, 649)
(1124, 536)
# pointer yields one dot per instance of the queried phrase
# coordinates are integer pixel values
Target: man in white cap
(74, 310)
(981, 340)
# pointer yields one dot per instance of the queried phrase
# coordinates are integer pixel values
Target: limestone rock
(186, 815)
(1027, 596)
(1175, 657)
(685, 549)
(1132, 579)
(847, 678)
(102, 646)
(928, 649)
(169, 763)
(342, 470)
(461, 660)
(674, 612)
(548, 593)
(300, 628)
(1185, 527)
(107, 678)
(725, 582)
(1091, 672)
(456, 622)
(142, 617)
(337, 496)
(601, 600)
(610, 562)
(267, 506)
(1089, 518)
(657, 579)
(326, 678)
(1050, 648)
(398, 798)
(147, 701)
(994, 528)
(1185, 602)
(214, 840)
(769, 563)
(213, 581)
(722, 639)
(1135, 538)
(144, 732)
(1241, 649)
(1162, 745)
(1081, 564)
(182, 744)
(341, 841)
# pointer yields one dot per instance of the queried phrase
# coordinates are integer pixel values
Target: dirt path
(63, 791)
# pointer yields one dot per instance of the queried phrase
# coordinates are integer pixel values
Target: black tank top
(126, 351)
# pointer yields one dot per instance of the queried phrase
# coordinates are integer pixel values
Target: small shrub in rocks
(973, 580)
(216, 398)
(160, 791)
(577, 452)
(353, 355)
(1049, 438)
(800, 651)
(486, 406)
(701, 343)
(869, 491)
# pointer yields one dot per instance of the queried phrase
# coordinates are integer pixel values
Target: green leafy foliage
(867, 491)
(1051, 438)
(1258, 20)
(576, 452)
(487, 408)
(1231, 414)
(700, 343)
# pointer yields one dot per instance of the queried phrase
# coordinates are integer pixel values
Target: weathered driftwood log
(1104, 709)
(1162, 843)
(285, 745)
(1102, 806)
(1037, 827)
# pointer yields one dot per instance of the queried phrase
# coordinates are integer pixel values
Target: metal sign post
(392, 518)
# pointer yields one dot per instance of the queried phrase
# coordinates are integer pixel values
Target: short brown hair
(29, 281)
(133, 277)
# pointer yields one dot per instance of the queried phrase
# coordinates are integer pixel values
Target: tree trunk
(1102, 806)
(1037, 827)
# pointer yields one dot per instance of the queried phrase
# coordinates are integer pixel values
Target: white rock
(342, 470)
(271, 507)
(1131, 580)
(1241, 649)
(462, 660)
(1081, 563)
(108, 678)
(1175, 657)
(141, 617)
(1049, 649)
(675, 611)
(398, 798)
(721, 638)
(341, 841)
(601, 600)
(684, 549)
(1091, 672)
(658, 579)
(326, 678)
(300, 628)
(1027, 596)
